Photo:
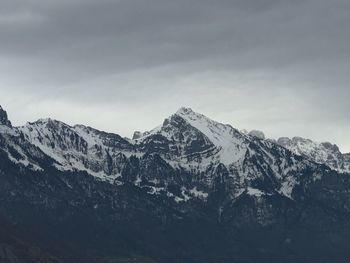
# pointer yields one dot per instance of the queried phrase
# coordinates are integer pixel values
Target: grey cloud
(289, 55)
(104, 36)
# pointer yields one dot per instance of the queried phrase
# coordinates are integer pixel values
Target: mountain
(324, 153)
(190, 190)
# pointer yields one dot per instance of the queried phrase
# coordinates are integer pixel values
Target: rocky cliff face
(192, 187)
(3, 118)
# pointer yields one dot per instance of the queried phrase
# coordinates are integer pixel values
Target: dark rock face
(3, 118)
(137, 135)
(177, 194)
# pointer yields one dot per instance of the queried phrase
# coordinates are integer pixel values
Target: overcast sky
(280, 66)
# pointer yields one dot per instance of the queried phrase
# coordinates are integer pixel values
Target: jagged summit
(3, 118)
(136, 135)
(184, 110)
(320, 152)
(223, 136)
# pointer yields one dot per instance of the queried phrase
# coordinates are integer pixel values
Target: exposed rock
(136, 135)
(284, 141)
(3, 118)
(258, 134)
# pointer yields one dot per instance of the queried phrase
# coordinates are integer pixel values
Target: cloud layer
(276, 65)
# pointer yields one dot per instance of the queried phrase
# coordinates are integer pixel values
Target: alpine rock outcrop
(324, 153)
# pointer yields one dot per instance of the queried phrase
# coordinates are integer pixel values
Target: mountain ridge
(191, 190)
(87, 134)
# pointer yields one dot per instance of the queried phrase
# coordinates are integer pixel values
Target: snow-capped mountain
(324, 152)
(187, 143)
(190, 183)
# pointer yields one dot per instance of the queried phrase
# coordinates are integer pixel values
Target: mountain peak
(137, 135)
(228, 140)
(191, 116)
(3, 118)
(184, 110)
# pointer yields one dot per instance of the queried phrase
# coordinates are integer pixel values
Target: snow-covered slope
(193, 142)
(231, 143)
(324, 152)
(193, 134)
(78, 148)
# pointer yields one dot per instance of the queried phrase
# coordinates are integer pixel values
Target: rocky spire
(3, 118)
(257, 134)
(137, 135)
